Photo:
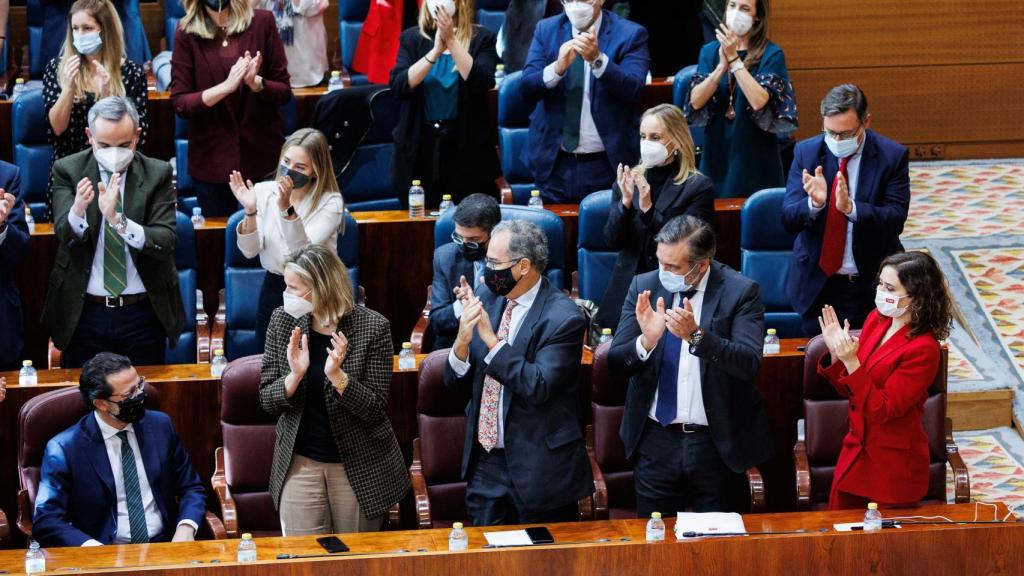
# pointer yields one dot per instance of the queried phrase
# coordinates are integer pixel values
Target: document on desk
(709, 523)
(508, 538)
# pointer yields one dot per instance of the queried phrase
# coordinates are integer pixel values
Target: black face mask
(500, 282)
(298, 178)
(217, 5)
(131, 410)
(473, 254)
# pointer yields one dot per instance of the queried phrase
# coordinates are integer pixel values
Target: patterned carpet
(993, 459)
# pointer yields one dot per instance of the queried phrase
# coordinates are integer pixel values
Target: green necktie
(573, 105)
(115, 271)
(132, 492)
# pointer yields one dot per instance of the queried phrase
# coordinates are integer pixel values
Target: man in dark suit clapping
(14, 239)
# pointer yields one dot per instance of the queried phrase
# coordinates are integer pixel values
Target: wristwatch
(696, 338)
(121, 226)
(288, 213)
(598, 62)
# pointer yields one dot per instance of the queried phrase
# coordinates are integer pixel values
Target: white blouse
(307, 56)
(275, 237)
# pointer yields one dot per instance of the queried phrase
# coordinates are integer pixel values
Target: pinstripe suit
(362, 431)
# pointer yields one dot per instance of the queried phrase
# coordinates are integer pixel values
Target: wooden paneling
(980, 410)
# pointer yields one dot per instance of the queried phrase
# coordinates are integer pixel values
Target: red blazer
(885, 454)
(377, 48)
(245, 121)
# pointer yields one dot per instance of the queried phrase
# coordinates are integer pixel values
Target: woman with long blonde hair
(91, 66)
(302, 206)
(442, 78)
(663, 185)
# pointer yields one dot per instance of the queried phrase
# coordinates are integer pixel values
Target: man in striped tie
(114, 286)
(120, 475)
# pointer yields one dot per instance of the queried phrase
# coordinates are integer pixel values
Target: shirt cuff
(90, 543)
(134, 235)
(78, 225)
(598, 71)
(852, 216)
(456, 306)
(640, 351)
(187, 522)
(814, 210)
(551, 78)
(490, 355)
(460, 367)
(3, 234)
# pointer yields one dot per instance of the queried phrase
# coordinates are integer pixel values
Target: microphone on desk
(692, 534)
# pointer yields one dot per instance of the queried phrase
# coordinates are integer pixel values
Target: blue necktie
(132, 492)
(668, 376)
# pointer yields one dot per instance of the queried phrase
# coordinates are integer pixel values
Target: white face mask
(580, 14)
(675, 282)
(739, 22)
(114, 158)
(652, 153)
(88, 43)
(888, 304)
(841, 148)
(446, 5)
(297, 306)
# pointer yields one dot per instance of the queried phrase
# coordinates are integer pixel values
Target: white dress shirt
(307, 55)
(276, 237)
(523, 305)
(590, 140)
(154, 523)
(852, 173)
(134, 237)
(689, 396)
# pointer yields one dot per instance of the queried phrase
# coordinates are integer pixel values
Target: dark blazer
(732, 317)
(244, 131)
(12, 251)
(77, 500)
(149, 200)
(613, 97)
(885, 454)
(359, 421)
(632, 233)
(882, 198)
(476, 140)
(449, 265)
(544, 446)
(521, 18)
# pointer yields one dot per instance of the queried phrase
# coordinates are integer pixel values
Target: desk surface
(609, 547)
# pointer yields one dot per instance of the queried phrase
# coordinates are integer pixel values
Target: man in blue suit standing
(846, 201)
(120, 475)
(14, 240)
(585, 70)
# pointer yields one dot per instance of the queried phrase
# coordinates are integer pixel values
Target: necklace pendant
(224, 43)
(730, 112)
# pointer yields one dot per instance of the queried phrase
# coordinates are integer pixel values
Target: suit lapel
(525, 333)
(867, 168)
(97, 449)
(134, 202)
(92, 212)
(895, 342)
(659, 291)
(150, 459)
(668, 194)
(712, 296)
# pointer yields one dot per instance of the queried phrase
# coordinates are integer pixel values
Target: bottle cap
(772, 331)
(607, 331)
(457, 525)
(872, 506)
(446, 197)
(26, 363)
(656, 515)
(19, 81)
(246, 536)
(406, 345)
(415, 182)
(335, 73)
(499, 67)
(218, 352)
(197, 211)
(535, 193)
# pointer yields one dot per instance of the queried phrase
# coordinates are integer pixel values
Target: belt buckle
(118, 301)
(685, 430)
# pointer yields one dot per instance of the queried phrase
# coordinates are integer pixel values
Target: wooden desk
(610, 547)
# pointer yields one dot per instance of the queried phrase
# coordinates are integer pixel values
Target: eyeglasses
(840, 136)
(135, 391)
(493, 264)
(460, 241)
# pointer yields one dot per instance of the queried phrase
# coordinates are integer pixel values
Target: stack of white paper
(508, 538)
(708, 523)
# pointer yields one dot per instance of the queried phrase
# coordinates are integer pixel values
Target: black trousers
(491, 499)
(133, 331)
(271, 297)
(853, 298)
(677, 471)
(216, 200)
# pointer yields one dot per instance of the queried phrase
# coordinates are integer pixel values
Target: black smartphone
(332, 544)
(540, 535)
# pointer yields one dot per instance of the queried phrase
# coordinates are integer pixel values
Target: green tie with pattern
(573, 105)
(115, 271)
(132, 492)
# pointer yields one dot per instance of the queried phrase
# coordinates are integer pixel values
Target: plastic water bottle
(247, 549)
(30, 221)
(218, 364)
(650, 78)
(655, 528)
(535, 200)
(872, 518)
(406, 359)
(457, 539)
(19, 88)
(35, 561)
(499, 75)
(417, 198)
(446, 203)
(606, 335)
(335, 82)
(197, 218)
(27, 376)
(771, 342)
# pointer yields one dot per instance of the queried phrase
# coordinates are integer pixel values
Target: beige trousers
(318, 499)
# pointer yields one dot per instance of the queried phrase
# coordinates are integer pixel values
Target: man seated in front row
(459, 265)
(120, 475)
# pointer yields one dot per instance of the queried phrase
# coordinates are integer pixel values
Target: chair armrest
(961, 477)
(203, 351)
(215, 525)
(600, 488)
(803, 469)
(228, 510)
(575, 292)
(220, 324)
(25, 510)
(756, 483)
(362, 296)
(419, 488)
(506, 190)
(52, 356)
(5, 531)
(419, 331)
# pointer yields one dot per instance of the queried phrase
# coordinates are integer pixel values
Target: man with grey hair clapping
(517, 355)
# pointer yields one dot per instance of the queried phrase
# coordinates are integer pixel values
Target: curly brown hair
(931, 309)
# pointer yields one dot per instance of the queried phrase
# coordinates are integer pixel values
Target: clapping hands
(841, 344)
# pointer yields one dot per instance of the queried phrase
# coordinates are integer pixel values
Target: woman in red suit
(886, 373)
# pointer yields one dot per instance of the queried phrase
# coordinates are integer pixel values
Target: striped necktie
(132, 492)
(115, 268)
(573, 105)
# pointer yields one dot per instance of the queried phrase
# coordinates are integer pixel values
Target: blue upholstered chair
(596, 258)
(35, 14)
(513, 133)
(679, 87)
(366, 180)
(351, 14)
(32, 151)
(491, 14)
(766, 250)
(194, 343)
(173, 11)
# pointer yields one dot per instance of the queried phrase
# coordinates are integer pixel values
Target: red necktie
(833, 244)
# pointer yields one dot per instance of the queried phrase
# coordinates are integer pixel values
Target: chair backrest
(491, 14)
(548, 221)
(173, 12)
(45, 416)
(766, 251)
(348, 250)
(351, 14)
(35, 13)
(441, 417)
(187, 264)
(513, 135)
(608, 398)
(32, 151)
(595, 258)
(679, 87)
(185, 185)
(826, 424)
(366, 181)
(249, 434)
(243, 280)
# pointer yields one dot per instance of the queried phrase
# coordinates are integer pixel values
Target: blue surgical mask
(841, 148)
(675, 282)
(88, 43)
